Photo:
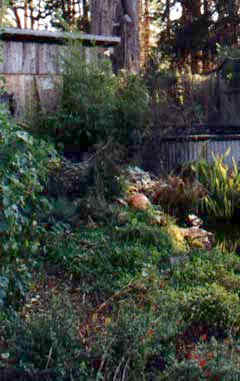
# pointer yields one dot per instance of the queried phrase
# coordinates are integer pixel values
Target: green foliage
(203, 268)
(222, 184)
(118, 253)
(24, 166)
(138, 229)
(212, 304)
(23, 171)
(14, 279)
(208, 360)
(132, 342)
(137, 342)
(88, 99)
(132, 100)
(95, 103)
(47, 341)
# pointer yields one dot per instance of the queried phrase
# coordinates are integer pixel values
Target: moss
(178, 241)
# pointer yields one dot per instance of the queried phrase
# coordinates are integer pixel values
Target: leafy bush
(179, 98)
(136, 343)
(88, 100)
(25, 163)
(14, 279)
(212, 304)
(108, 258)
(132, 99)
(127, 339)
(203, 268)
(208, 360)
(95, 103)
(47, 343)
(24, 166)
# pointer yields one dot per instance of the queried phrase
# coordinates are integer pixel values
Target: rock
(121, 202)
(137, 175)
(137, 180)
(139, 201)
(198, 238)
(194, 220)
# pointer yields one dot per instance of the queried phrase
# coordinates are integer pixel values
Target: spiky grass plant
(223, 185)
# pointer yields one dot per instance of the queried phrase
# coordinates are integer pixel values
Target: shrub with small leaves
(24, 166)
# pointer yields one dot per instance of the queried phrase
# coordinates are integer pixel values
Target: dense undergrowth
(94, 290)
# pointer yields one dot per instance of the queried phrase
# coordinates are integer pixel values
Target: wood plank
(59, 37)
(29, 58)
(13, 59)
(48, 59)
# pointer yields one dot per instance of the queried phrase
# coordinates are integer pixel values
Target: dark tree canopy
(192, 38)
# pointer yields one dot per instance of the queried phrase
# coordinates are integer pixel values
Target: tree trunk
(127, 54)
(1, 12)
(121, 18)
(102, 17)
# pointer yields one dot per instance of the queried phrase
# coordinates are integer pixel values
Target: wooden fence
(31, 65)
(164, 154)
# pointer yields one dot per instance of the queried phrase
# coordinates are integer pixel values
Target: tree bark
(121, 18)
(127, 54)
(102, 12)
(1, 12)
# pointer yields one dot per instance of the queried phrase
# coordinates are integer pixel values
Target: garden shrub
(98, 261)
(47, 344)
(213, 360)
(114, 253)
(24, 166)
(88, 100)
(211, 303)
(203, 268)
(126, 339)
(95, 104)
(131, 117)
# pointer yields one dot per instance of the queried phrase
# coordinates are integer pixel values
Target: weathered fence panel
(164, 154)
(32, 64)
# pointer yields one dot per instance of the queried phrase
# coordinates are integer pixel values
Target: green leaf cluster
(96, 104)
(223, 185)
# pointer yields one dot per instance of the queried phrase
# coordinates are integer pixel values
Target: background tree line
(187, 39)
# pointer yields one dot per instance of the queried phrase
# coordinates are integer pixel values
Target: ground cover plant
(94, 289)
(139, 316)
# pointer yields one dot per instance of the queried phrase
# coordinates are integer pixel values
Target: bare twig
(118, 369)
(125, 370)
(49, 357)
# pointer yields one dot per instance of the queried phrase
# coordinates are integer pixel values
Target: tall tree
(32, 13)
(191, 40)
(145, 32)
(119, 17)
(102, 15)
